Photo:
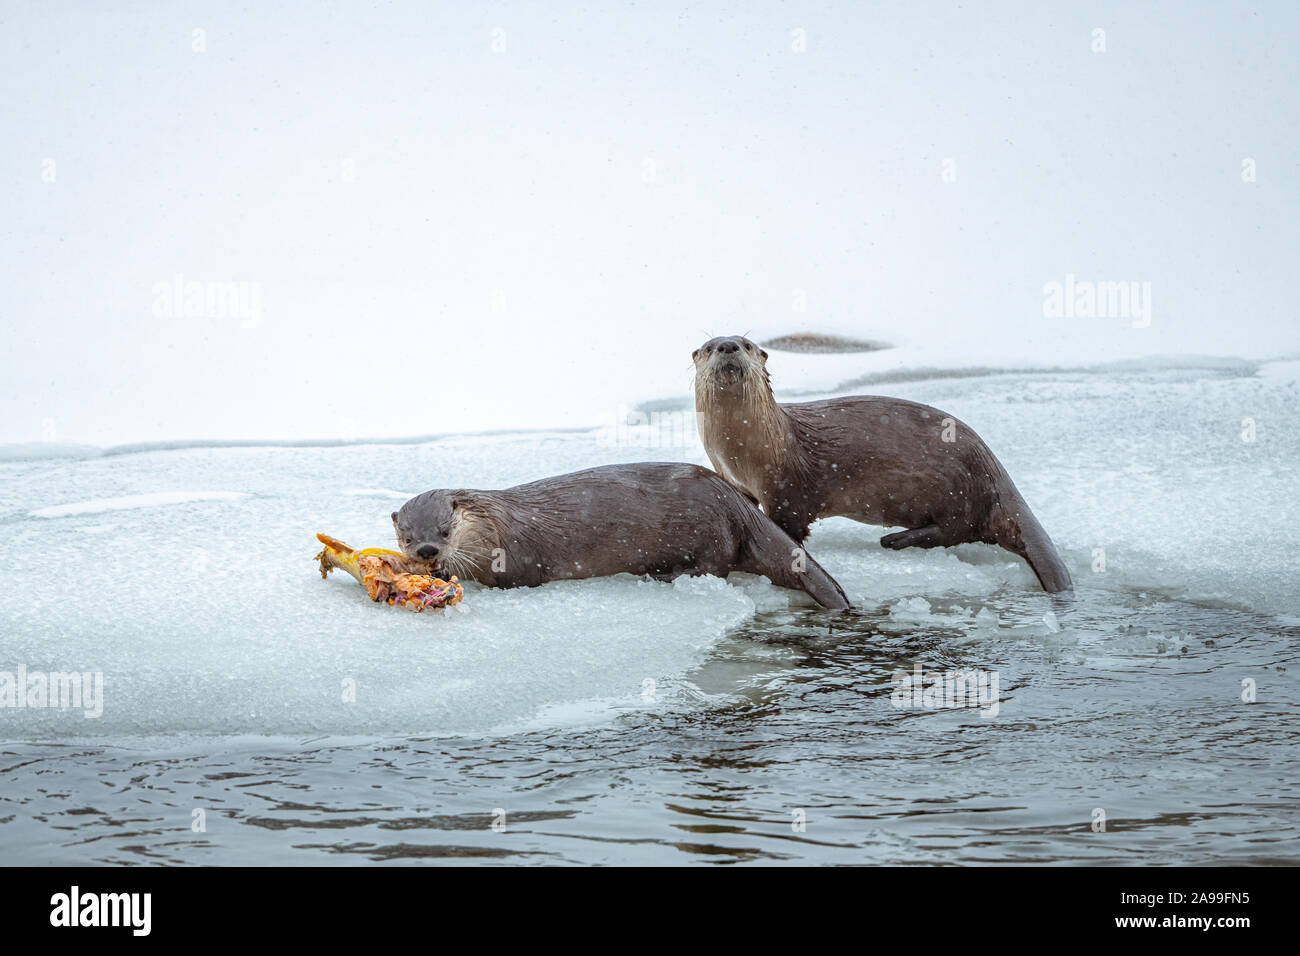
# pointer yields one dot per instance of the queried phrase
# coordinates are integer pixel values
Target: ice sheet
(204, 611)
(152, 500)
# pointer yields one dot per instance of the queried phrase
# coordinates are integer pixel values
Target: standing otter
(881, 461)
(658, 519)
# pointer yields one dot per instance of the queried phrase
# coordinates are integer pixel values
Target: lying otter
(881, 461)
(657, 519)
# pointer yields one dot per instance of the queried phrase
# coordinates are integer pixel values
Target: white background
(520, 177)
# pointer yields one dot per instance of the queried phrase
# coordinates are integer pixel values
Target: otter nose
(727, 348)
(426, 552)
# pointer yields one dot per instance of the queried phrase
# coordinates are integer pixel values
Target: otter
(657, 519)
(881, 461)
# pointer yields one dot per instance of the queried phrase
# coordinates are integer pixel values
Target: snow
(204, 610)
(530, 239)
(153, 500)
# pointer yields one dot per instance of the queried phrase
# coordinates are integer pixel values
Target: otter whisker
(463, 561)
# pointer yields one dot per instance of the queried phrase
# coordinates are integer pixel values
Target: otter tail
(773, 553)
(1018, 531)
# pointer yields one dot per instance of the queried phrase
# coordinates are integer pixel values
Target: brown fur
(881, 461)
(659, 519)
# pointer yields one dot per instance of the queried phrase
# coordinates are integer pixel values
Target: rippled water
(1127, 700)
(782, 717)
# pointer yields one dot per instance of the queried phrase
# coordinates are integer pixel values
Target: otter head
(731, 363)
(431, 528)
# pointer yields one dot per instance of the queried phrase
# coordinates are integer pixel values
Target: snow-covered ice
(202, 606)
(152, 500)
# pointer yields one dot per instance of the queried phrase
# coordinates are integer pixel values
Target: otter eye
(708, 349)
(749, 346)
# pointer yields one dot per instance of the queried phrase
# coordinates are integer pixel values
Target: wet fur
(881, 461)
(657, 519)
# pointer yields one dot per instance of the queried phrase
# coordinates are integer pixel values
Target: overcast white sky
(444, 234)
